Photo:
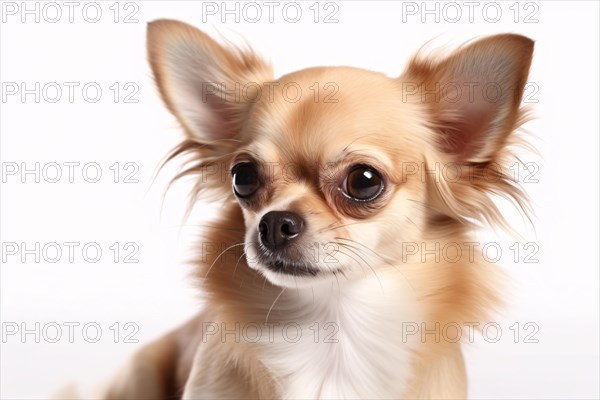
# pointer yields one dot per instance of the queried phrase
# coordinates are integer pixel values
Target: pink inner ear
(478, 93)
(463, 132)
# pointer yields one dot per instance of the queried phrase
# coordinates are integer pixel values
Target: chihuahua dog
(344, 244)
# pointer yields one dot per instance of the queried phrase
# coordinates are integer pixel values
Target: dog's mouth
(288, 267)
(295, 262)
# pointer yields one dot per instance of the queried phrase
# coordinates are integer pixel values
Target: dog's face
(320, 181)
(336, 168)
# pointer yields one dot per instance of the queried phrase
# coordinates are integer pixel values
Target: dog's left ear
(474, 95)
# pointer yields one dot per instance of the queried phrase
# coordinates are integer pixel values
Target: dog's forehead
(318, 112)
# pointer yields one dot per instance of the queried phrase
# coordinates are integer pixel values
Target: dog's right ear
(201, 81)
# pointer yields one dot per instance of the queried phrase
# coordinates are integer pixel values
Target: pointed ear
(200, 81)
(474, 95)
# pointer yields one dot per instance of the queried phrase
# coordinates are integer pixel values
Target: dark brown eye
(245, 179)
(363, 183)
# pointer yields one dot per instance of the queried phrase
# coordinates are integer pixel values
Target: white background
(559, 293)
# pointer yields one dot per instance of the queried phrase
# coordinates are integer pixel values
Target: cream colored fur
(375, 286)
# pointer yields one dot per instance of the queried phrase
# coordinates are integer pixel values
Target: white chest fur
(351, 346)
(343, 341)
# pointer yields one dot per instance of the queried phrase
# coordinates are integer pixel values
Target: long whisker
(275, 301)
(237, 263)
(412, 222)
(385, 260)
(350, 248)
(204, 226)
(355, 140)
(424, 205)
(331, 227)
(219, 256)
(365, 247)
(350, 256)
(338, 282)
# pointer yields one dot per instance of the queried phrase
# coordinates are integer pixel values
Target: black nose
(278, 228)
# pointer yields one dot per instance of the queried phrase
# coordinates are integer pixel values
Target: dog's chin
(291, 274)
(292, 268)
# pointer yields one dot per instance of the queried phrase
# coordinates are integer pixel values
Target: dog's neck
(326, 340)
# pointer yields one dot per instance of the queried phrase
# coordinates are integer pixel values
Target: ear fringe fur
(208, 166)
(470, 199)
